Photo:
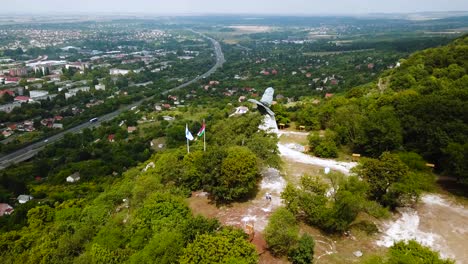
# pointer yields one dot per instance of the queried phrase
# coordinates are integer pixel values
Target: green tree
(165, 248)
(303, 253)
(239, 175)
(326, 149)
(382, 175)
(413, 252)
(457, 156)
(281, 233)
(381, 132)
(40, 215)
(347, 122)
(226, 246)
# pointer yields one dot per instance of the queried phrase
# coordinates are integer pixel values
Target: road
(31, 150)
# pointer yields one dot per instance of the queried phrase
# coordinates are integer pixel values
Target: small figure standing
(268, 197)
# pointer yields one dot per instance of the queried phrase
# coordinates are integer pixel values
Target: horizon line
(118, 13)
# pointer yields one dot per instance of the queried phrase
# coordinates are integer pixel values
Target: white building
(9, 107)
(118, 71)
(100, 87)
(74, 177)
(38, 94)
(57, 125)
(74, 91)
(23, 198)
(240, 110)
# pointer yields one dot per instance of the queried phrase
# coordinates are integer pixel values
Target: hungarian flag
(188, 135)
(202, 130)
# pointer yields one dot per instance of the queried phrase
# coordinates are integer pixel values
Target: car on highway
(92, 120)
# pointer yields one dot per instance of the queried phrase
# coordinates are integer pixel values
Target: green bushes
(282, 237)
(303, 253)
(409, 252)
(323, 146)
(281, 233)
(412, 252)
(390, 181)
(226, 246)
(331, 208)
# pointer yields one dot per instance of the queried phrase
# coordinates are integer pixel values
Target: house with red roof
(3, 92)
(5, 209)
(22, 99)
(111, 138)
(12, 80)
(7, 133)
(328, 95)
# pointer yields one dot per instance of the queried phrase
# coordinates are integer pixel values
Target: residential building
(100, 87)
(74, 177)
(7, 108)
(22, 99)
(18, 72)
(23, 198)
(5, 209)
(118, 71)
(74, 91)
(3, 92)
(57, 126)
(12, 80)
(240, 110)
(78, 65)
(38, 94)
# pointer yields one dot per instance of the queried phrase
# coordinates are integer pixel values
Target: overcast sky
(231, 6)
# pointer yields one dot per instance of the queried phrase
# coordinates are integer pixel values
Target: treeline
(419, 107)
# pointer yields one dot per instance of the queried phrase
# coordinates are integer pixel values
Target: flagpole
(188, 148)
(204, 135)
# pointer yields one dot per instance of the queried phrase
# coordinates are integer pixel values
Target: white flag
(188, 135)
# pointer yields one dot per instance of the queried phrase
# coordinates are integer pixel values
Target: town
(50, 92)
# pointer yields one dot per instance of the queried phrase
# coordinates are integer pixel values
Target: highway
(31, 150)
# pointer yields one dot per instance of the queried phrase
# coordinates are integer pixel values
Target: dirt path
(252, 214)
(290, 153)
(437, 222)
